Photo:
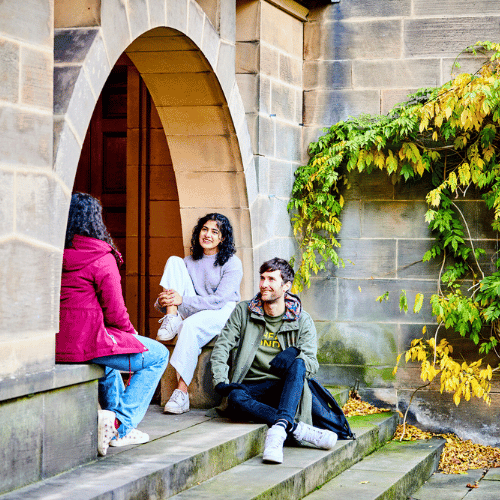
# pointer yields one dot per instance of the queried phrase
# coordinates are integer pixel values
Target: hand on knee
(283, 361)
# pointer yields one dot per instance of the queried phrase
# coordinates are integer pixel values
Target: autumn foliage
(451, 134)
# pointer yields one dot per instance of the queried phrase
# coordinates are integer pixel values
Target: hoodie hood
(86, 250)
(293, 306)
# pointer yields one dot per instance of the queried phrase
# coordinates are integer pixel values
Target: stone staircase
(194, 456)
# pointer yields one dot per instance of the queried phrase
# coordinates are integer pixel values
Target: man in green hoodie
(271, 345)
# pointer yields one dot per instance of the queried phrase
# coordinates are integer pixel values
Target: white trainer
(178, 403)
(135, 436)
(106, 430)
(322, 438)
(170, 324)
(273, 446)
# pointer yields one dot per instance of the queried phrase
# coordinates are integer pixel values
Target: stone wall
(364, 57)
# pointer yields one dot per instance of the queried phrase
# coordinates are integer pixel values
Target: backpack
(326, 413)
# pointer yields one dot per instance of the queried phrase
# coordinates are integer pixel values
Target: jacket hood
(293, 306)
(86, 250)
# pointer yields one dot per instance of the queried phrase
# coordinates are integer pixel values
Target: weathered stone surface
(366, 258)
(196, 23)
(226, 67)
(479, 219)
(41, 208)
(9, 70)
(115, 28)
(138, 17)
(327, 75)
(265, 95)
(33, 268)
(247, 57)
(272, 218)
(248, 85)
(177, 15)
(157, 13)
(326, 107)
(97, 65)
(7, 214)
(283, 103)
(288, 141)
(266, 136)
(210, 44)
(455, 7)
(396, 73)
(32, 130)
(65, 78)
(73, 45)
(36, 79)
(425, 37)
(248, 21)
(394, 220)
(262, 173)
(389, 98)
(366, 39)
(290, 69)
(373, 186)
(269, 61)
(30, 21)
(347, 9)
(351, 219)
(77, 13)
(410, 264)
(227, 27)
(281, 30)
(280, 178)
(21, 435)
(66, 152)
(70, 428)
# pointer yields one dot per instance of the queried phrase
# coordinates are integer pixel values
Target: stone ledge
(62, 375)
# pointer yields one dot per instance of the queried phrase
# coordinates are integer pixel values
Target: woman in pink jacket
(95, 327)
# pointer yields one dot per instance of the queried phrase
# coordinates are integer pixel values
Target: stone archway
(189, 70)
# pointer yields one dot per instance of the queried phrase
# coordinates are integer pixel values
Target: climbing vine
(451, 135)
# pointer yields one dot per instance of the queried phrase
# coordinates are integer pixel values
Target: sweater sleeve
(228, 290)
(110, 294)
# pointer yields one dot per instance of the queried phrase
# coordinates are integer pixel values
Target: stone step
(394, 471)
(341, 394)
(303, 468)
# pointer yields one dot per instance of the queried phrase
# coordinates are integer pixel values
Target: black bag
(326, 413)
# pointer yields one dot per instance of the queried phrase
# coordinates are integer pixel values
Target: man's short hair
(281, 265)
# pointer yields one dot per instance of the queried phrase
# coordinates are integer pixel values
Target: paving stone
(447, 486)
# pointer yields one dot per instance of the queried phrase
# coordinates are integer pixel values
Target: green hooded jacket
(237, 344)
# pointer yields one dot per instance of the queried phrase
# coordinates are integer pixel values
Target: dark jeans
(269, 400)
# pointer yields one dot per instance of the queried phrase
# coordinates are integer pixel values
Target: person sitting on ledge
(199, 293)
(95, 327)
(274, 341)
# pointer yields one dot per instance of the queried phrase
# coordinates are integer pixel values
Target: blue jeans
(270, 400)
(130, 403)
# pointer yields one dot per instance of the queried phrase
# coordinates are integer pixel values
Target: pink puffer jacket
(94, 321)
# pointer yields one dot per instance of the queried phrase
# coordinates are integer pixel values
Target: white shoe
(135, 436)
(106, 430)
(322, 438)
(273, 446)
(170, 324)
(178, 403)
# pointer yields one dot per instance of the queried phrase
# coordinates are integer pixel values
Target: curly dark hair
(281, 265)
(85, 219)
(226, 246)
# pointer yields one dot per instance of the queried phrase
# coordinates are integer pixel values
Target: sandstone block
(248, 21)
(410, 265)
(79, 13)
(160, 249)
(283, 103)
(252, 187)
(327, 75)
(326, 107)
(266, 136)
(196, 23)
(288, 141)
(115, 29)
(424, 37)
(138, 17)
(456, 7)
(7, 194)
(97, 65)
(280, 178)
(66, 152)
(177, 15)
(194, 120)
(176, 61)
(227, 28)
(394, 219)
(352, 9)
(32, 130)
(341, 40)
(157, 13)
(389, 98)
(396, 74)
(164, 220)
(262, 173)
(36, 79)
(9, 70)
(41, 208)
(31, 21)
(210, 45)
(290, 70)
(247, 57)
(265, 95)
(226, 67)
(281, 30)
(161, 39)
(269, 61)
(374, 186)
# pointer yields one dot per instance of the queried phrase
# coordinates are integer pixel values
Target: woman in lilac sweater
(199, 294)
(95, 326)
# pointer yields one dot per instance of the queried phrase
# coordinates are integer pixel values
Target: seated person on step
(199, 293)
(275, 345)
(95, 327)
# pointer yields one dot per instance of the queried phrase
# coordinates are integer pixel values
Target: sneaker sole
(162, 338)
(176, 411)
(270, 460)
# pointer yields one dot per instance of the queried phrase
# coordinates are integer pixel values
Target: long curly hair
(226, 246)
(85, 219)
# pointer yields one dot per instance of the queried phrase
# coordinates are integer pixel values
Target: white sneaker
(170, 324)
(106, 430)
(135, 436)
(322, 438)
(273, 446)
(178, 403)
